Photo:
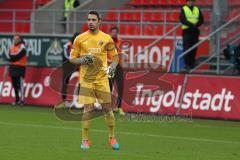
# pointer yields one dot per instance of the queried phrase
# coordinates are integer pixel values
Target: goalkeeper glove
(110, 71)
(88, 59)
(85, 60)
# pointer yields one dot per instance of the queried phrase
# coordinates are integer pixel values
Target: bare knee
(106, 107)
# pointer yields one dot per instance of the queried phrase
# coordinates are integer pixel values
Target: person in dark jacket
(67, 66)
(17, 68)
(69, 6)
(119, 76)
(191, 18)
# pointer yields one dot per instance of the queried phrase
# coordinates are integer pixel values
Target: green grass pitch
(34, 133)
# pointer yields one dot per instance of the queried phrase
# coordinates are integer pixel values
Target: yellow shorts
(94, 92)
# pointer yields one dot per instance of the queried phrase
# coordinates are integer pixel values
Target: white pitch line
(121, 132)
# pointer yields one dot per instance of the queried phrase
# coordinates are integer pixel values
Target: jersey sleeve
(111, 48)
(76, 49)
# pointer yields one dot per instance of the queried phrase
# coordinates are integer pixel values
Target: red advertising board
(149, 92)
(144, 90)
(36, 85)
(157, 55)
(198, 95)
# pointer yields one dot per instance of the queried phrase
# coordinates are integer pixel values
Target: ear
(100, 22)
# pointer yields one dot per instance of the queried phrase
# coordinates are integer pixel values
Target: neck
(94, 31)
(16, 44)
(190, 5)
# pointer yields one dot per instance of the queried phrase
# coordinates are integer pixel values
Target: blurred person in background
(69, 5)
(68, 67)
(191, 18)
(17, 68)
(114, 33)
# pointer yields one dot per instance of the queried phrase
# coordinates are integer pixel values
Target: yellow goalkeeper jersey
(99, 45)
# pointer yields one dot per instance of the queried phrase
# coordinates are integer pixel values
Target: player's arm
(75, 55)
(82, 60)
(112, 52)
(115, 59)
(19, 55)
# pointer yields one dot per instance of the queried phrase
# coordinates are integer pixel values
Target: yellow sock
(85, 130)
(110, 119)
(85, 126)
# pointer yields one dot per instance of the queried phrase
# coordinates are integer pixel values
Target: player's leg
(120, 87)
(16, 84)
(22, 93)
(104, 97)
(193, 53)
(110, 120)
(22, 71)
(85, 126)
(87, 98)
(65, 79)
(67, 70)
(111, 84)
(187, 43)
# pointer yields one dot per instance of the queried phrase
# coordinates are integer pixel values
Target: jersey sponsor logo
(94, 50)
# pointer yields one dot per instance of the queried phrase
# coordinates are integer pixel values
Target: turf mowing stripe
(121, 132)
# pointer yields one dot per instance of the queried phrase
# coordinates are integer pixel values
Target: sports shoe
(115, 109)
(121, 112)
(85, 144)
(21, 103)
(113, 142)
(18, 103)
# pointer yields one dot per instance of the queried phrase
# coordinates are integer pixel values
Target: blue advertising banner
(178, 52)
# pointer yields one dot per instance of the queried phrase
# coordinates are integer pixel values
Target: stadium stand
(152, 18)
(157, 12)
(144, 17)
(20, 17)
(16, 16)
(153, 14)
(40, 3)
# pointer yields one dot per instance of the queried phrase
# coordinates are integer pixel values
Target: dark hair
(74, 36)
(95, 13)
(114, 28)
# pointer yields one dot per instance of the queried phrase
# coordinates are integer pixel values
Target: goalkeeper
(90, 50)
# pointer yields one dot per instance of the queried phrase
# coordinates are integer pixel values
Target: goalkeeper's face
(93, 22)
